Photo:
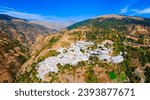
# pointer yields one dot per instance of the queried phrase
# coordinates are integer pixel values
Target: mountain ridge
(8, 17)
(119, 19)
(119, 16)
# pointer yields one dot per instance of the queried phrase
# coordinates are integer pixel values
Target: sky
(62, 10)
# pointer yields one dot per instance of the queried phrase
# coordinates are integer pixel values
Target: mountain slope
(130, 34)
(113, 21)
(16, 38)
(125, 56)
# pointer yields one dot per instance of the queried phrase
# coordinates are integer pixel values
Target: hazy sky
(73, 9)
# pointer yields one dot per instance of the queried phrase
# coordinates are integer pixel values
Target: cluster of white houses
(78, 51)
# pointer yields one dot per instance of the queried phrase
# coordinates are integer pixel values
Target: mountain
(56, 25)
(7, 17)
(112, 21)
(110, 48)
(16, 38)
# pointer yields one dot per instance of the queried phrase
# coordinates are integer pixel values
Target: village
(78, 51)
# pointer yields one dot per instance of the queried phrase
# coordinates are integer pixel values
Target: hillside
(111, 48)
(117, 22)
(16, 38)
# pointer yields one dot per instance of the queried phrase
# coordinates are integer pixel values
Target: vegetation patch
(48, 54)
(121, 77)
(112, 75)
(90, 77)
(22, 59)
(52, 41)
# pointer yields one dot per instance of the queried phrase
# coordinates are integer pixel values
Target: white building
(73, 55)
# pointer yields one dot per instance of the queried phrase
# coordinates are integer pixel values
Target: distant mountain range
(24, 44)
(56, 25)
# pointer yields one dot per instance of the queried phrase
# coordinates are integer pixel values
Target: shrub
(22, 59)
(90, 77)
